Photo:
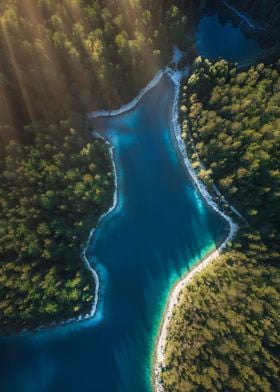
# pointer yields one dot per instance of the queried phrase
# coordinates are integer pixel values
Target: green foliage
(224, 335)
(52, 193)
(234, 123)
(59, 60)
(59, 57)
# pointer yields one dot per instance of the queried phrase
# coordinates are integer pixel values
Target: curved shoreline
(92, 115)
(106, 113)
(159, 356)
(127, 107)
(176, 77)
(84, 257)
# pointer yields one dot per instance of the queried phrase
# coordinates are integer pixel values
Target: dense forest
(52, 193)
(232, 122)
(58, 60)
(225, 333)
(60, 57)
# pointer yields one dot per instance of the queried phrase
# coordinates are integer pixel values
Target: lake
(159, 228)
(219, 35)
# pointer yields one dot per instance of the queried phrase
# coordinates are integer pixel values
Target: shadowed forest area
(59, 60)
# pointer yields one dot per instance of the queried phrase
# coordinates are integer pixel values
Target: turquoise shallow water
(159, 225)
(158, 229)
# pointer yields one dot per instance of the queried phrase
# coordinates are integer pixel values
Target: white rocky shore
(233, 227)
(85, 259)
(130, 105)
(90, 116)
(176, 77)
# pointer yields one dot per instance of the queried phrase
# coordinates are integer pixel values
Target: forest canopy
(60, 57)
(232, 121)
(225, 333)
(59, 60)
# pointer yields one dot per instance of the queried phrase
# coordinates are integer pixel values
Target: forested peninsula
(224, 334)
(59, 60)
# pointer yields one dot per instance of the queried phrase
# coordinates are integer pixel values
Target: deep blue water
(214, 40)
(159, 228)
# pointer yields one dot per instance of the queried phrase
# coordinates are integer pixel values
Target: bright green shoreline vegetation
(58, 61)
(224, 335)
